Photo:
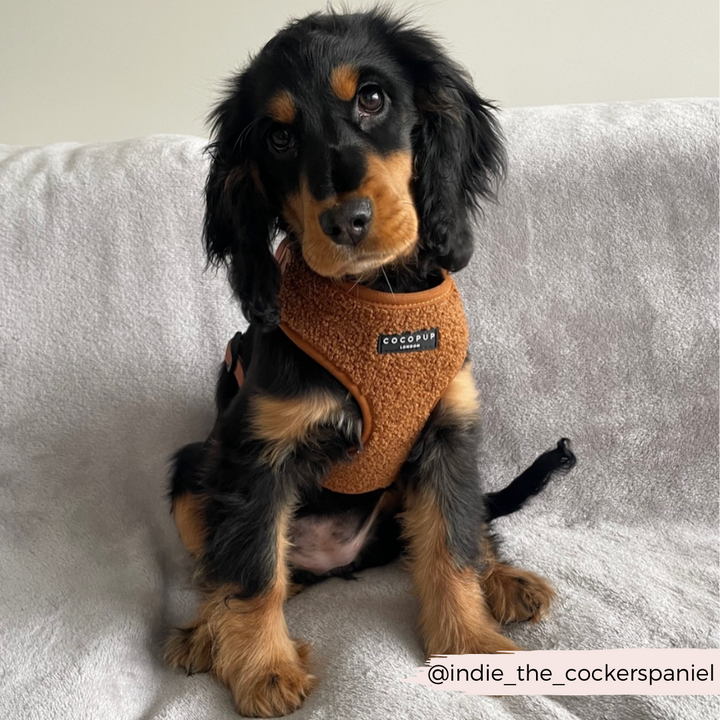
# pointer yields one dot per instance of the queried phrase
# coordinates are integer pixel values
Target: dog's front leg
(441, 524)
(253, 470)
(252, 652)
(240, 632)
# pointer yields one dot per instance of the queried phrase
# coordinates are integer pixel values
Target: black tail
(531, 481)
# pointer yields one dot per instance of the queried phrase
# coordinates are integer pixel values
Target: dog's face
(334, 155)
(358, 137)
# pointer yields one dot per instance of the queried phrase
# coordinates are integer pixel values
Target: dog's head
(359, 137)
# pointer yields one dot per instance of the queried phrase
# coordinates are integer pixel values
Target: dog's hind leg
(189, 647)
(187, 500)
(514, 594)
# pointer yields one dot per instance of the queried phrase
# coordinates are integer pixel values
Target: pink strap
(239, 373)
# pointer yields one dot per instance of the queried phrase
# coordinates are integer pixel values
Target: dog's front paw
(271, 688)
(190, 648)
(515, 595)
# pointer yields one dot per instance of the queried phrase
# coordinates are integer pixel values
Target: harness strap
(233, 359)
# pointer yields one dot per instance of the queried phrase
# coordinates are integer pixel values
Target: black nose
(347, 224)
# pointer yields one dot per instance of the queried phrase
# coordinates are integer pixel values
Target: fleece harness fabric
(396, 354)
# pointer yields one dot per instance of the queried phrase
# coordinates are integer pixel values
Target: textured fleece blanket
(592, 301)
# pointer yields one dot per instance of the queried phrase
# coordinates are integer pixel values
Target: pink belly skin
(321, 544)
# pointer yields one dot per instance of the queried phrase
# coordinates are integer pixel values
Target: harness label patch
(408, 341)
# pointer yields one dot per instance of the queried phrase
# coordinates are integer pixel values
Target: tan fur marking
(281, 107)
(294, 209)
(460, 401)
(344, 81)
(248, 645)
(283, 423)
(394, 230)
(387, 184)
(516, 595)
(187, 512)
(454, 618)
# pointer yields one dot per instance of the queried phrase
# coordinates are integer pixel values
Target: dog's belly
(322, 543)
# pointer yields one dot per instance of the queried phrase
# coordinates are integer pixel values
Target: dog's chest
(395, 354)
(322, 543)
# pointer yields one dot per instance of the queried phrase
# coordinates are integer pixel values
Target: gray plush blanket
(592, 300)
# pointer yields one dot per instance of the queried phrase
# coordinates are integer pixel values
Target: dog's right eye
(280, 139)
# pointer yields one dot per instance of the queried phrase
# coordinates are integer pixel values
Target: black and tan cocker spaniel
(347, 428)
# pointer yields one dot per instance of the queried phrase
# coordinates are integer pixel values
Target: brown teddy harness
(395, 353)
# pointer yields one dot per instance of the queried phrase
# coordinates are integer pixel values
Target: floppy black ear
(457, 145)
(239, 223)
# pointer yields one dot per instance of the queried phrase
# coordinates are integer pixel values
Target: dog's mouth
(359, 232)
(341, 262)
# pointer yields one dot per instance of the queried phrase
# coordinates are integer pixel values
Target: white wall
(109, 69)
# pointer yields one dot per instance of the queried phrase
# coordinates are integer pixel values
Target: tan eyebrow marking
(344, 81)
(281, 107)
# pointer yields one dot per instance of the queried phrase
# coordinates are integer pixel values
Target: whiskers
(387, 280)
(243, 135)
(362, 277)
(355, 284)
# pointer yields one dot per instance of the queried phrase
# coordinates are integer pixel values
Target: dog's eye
(281, 139)
(371, 99)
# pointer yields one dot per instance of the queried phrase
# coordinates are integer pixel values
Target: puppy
(347, 428)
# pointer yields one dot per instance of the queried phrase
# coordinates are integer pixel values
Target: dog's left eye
(281, 139)
(371, 99)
